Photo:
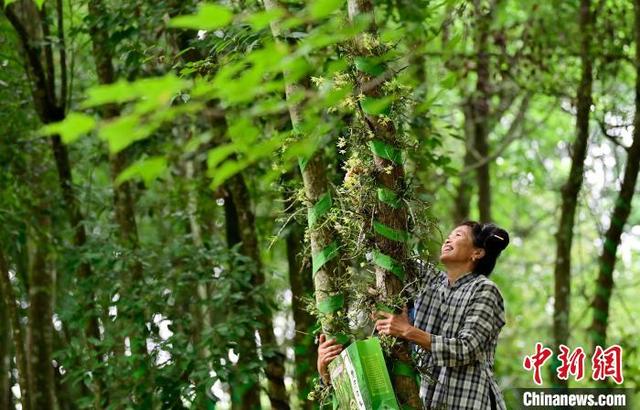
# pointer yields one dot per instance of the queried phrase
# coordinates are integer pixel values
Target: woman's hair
(490, 238)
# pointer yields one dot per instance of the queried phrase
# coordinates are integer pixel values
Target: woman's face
(458, 247)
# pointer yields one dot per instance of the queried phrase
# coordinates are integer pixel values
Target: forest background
(180, 178)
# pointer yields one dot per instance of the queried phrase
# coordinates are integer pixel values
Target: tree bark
(17, 331)
(250, 247)
(5, 354)
(40, 326)
(389, 175)
(480, 106)
(462, 206)
(301, 283)
(619, 216)
(570, 191)
(247, 394)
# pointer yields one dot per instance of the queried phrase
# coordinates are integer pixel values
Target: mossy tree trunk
(390, 218)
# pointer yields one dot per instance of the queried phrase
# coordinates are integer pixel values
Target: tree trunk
(301, 284)
(480, 107)
(5, 355)
(17, 332)
(619, 216)
(40, 326)
(389, 175)
(570, 191)
(250, 247)
(464, 189)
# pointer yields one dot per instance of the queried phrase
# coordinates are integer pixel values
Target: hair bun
(496, 240)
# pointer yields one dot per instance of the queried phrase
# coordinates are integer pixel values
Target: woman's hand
(327, 351)
(393, 325)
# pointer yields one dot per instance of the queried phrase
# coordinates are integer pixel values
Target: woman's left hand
(393, 325)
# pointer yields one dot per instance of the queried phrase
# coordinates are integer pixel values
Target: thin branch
(603, 128)
(63, 57)
(508, 138)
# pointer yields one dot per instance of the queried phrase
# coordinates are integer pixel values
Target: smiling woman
(458, 319)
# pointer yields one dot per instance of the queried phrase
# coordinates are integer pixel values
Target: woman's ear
(478, 254)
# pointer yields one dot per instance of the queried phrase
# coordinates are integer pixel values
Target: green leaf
(261, 19)
(219, 154)
(7, 2)
(208, 17)
(71, 128)
(154, 92)
(39, 3)
(322, 8)
(123, 131)
(148, 169)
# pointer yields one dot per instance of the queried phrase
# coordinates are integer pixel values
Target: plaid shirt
(464, 321)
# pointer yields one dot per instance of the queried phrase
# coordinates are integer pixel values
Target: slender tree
(605, 284)
(40, 326)
(480, 106)
(5, 357)
(17, 330)
(301, 283)
(571, 189)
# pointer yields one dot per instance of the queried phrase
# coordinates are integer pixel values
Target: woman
(458, 318)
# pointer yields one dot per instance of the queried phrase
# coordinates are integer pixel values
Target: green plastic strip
(369, 66)
(320, 208)
(331, 304)
(390, 233)
(376, 106)
(386, 151)
(340, 338)
(387, 262)
(302, 163)
(403, 369)
(389, 197)
(324, 256)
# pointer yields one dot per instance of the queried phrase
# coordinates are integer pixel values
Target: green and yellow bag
(360, 378)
